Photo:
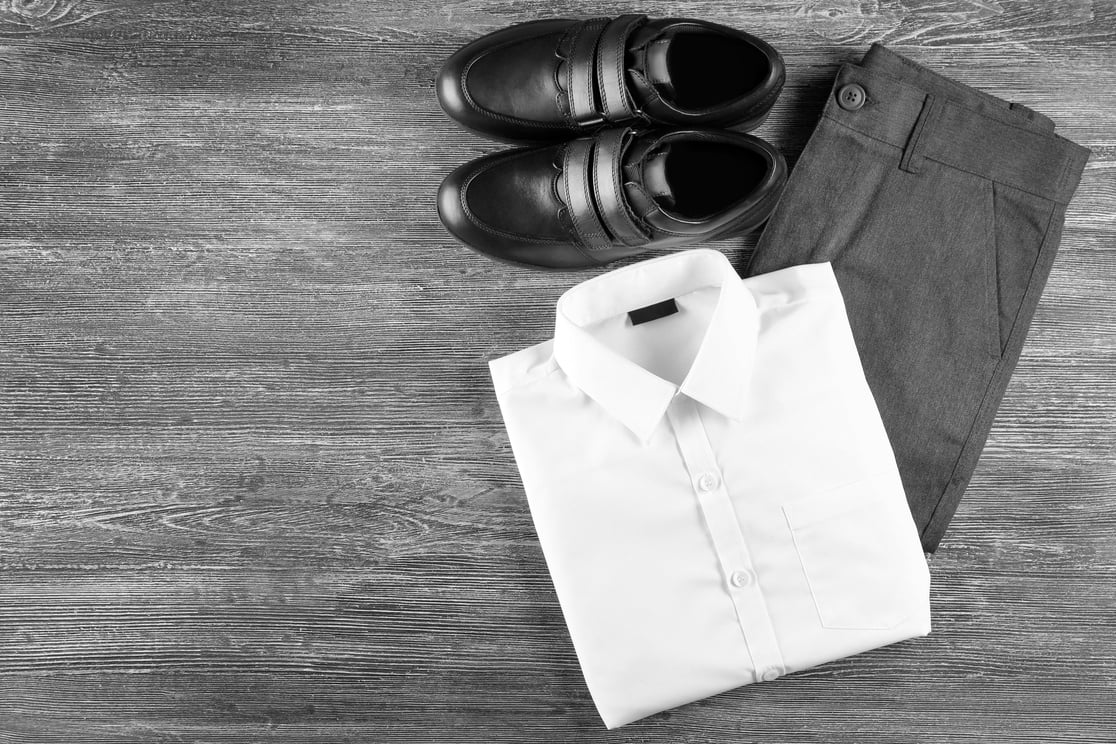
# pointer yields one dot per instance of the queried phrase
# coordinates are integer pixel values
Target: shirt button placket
(719, 514)
(771, 674)
(742, 578)
(708, 481)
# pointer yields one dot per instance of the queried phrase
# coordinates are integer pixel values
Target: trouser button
(851, 97)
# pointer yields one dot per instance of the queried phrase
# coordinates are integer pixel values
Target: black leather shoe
(549, 80)
(618, 193)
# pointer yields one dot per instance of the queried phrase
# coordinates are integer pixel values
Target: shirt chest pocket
(860, 554)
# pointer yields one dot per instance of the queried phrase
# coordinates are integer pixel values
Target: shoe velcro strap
(580, 72)
(593, 191)
(616, 103)
(577, 192)
(609, 187)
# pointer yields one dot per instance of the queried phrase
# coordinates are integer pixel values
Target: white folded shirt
(713, 488)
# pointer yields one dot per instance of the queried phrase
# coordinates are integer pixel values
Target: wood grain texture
(254, 485)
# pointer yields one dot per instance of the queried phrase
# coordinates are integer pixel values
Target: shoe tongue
(651, 49)
(648, 169)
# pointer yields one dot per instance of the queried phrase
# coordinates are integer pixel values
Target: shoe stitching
(577, 31)
(618, 185)
(573, 214)
(641, 219)
(492, 114)
(590, 68)
(617, 64)
(600, 77)
(597, 194)
(615, 170)
(618, 68)
(476, 220)
(561, 99)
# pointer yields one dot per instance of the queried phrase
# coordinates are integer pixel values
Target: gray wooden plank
(254, 485)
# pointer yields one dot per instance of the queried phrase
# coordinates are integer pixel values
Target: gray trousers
(940, 208)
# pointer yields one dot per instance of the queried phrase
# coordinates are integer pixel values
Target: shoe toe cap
(502, 85)
(503, 206)
(449, 86)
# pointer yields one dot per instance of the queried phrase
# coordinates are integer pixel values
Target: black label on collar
(653, 312)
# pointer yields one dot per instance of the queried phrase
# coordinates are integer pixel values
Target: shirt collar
(721, 372)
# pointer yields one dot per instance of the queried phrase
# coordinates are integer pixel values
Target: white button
(708, 482)
(771, 674)
(742, 578)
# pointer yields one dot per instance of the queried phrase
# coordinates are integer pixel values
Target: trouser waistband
(934, 118)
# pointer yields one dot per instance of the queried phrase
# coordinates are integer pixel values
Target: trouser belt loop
(1039, 121)
(912, 158)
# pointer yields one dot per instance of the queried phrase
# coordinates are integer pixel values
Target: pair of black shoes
(628, 153)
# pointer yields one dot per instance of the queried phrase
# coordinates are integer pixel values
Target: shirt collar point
(644, 424)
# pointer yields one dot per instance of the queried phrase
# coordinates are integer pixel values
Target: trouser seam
(986, 413)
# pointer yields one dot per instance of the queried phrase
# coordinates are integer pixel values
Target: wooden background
(254, 482)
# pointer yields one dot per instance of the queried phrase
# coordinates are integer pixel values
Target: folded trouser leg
(940, 208)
